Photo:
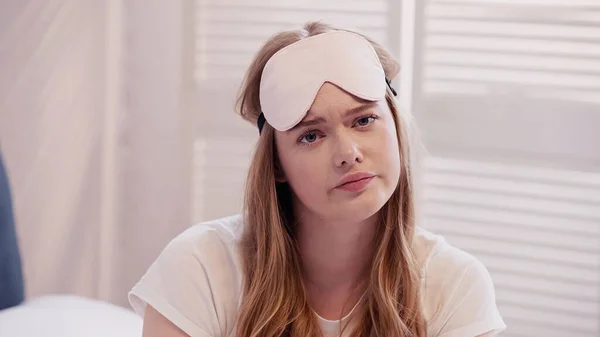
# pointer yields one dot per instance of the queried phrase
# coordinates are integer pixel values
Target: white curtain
(94, 138)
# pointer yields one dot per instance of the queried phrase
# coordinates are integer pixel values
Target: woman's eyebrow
(308, 122)
(360, 108)
(318, 120)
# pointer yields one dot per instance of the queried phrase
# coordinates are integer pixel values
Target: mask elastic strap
(261, 122)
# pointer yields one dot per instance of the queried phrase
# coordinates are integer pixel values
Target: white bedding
(68, 316)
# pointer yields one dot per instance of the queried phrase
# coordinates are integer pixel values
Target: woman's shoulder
(457, 291)
(207, 235)
(436, 256)
(195, 282)
(444, 266)
(214, 243)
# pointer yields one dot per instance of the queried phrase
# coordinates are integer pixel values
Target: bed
(68, 316)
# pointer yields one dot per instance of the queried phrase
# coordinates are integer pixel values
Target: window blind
(506, 96)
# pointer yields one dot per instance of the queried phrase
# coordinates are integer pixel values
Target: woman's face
(342, 160)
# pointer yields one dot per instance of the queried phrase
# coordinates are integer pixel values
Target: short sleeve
(185, 284)
(468, 305)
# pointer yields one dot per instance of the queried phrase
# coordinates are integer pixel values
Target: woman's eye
(364, 121)
(309, 137)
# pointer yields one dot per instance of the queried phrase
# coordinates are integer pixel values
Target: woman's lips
(355, 182)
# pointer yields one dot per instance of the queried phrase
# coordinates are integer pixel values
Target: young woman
(327, 243)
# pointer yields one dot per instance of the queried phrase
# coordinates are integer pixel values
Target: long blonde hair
(274, 301)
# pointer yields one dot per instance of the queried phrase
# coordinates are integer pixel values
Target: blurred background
(118, 132)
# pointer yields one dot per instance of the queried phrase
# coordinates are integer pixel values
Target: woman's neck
(336, 259)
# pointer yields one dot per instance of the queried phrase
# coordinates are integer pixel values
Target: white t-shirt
(196, 284)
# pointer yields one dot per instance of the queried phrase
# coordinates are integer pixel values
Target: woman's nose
(347, 152)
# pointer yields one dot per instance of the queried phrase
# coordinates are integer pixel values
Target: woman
(327, 243)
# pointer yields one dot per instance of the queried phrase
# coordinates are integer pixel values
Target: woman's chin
(360, 210)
